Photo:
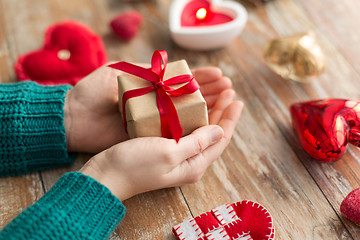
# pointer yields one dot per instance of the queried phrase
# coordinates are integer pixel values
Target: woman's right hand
(144, 164)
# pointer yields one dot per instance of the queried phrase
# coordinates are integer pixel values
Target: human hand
(144, 164)
(92, 120)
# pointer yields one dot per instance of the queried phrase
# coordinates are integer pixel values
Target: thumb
(199, 140)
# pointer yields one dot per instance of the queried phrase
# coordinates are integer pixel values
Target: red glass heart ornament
(245, 220)
(190, 16)
(350, 206)
(70, 52)
(324, 127)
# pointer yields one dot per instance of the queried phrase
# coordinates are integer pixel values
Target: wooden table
(264, 161)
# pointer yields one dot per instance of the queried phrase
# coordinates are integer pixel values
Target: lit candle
(201, 14)
(205, 24)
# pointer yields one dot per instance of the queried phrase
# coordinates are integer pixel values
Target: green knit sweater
(32, 138)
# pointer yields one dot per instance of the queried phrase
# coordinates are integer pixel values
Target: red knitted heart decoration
(244, 220)
(70, 52)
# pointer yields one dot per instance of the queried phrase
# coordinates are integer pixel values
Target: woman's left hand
(92, 118)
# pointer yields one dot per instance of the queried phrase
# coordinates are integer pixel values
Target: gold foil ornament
(298, 57)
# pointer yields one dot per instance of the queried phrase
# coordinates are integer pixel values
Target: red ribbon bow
(170, 123)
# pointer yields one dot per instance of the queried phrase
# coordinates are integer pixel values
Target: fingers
(228, 121)
(206, 74)
(224, 99)
(194, 167)
(215, 87)
(230, 118)
(212, 82)
(206, 144)
(198, 141)
(211, 100)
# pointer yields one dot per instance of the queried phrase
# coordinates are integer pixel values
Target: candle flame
(201, 13)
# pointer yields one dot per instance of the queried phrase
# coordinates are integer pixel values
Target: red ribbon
(170, 123)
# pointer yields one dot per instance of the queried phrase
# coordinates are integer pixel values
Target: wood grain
(18, 193)
(6, 56)
(332, 178)
(264, 161)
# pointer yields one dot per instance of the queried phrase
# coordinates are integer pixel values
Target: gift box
(143, 114)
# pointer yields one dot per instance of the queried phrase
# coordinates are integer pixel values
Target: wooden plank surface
(339, 80)
(264, 161)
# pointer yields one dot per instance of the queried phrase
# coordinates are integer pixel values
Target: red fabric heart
(70, 52)
(255, 219)
(350, 206)
(189, 18)
(244, 220)
(324, 127)
(126, 25)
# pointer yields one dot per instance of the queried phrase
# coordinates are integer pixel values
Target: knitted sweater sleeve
(32, 133)
(76, 207)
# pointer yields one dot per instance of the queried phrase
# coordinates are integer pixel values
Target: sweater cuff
(32, 128)
(76, 207)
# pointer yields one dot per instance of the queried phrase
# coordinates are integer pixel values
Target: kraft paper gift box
(142, 113)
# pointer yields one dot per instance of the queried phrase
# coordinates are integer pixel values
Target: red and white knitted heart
(245, 220)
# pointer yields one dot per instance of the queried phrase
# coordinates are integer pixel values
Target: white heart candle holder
(207, 37)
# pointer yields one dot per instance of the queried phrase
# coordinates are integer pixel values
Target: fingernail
(216, 134)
